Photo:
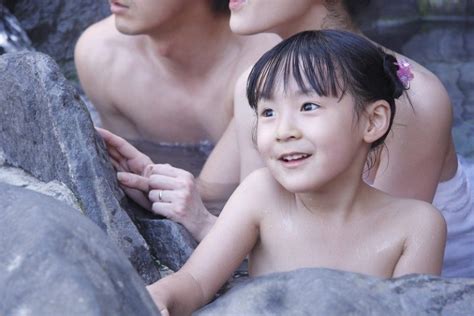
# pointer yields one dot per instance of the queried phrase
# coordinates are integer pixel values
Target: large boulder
(314, 291)
(55, 261)
(55, 25)
(46, 131)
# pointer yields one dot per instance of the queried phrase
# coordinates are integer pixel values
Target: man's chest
(174, 113)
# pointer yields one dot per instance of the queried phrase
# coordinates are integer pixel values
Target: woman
(419, 153)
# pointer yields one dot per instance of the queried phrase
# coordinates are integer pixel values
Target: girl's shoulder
(261, 182)
(415, 216)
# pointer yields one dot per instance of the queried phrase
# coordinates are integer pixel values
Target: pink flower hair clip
(404, 72)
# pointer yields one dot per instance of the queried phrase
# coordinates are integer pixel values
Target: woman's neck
(319, 17)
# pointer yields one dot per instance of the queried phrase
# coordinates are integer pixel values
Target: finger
(163, 209)
(147, 171)
(133, 181)
(158, 181)
(122, 146)
(138, 196)
(163, 196)
(114, 154)
(117, 165)
(168, 170)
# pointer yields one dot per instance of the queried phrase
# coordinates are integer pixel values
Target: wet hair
(220, 6)
(330, 63)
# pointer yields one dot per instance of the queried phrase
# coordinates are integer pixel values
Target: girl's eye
(267, 113)
(309, 107)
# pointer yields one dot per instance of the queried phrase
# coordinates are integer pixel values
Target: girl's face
(307, 141)
(278, 16)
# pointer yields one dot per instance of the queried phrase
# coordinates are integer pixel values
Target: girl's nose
(287, 130)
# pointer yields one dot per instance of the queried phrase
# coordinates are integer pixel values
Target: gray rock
(315, 291)
(170, 242)
(55, 189)
(55, 261)
(55, 25)
(46, 131)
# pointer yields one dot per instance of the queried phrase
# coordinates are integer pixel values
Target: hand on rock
(174, 194)
(131, 166)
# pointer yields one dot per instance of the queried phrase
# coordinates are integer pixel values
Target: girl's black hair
(330, 63)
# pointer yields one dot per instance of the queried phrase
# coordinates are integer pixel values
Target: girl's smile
(301, 134)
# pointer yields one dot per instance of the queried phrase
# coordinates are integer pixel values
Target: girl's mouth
(293, 159)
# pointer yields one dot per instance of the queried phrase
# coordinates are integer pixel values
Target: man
(164, 71)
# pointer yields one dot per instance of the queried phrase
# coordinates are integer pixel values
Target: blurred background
(439, 34)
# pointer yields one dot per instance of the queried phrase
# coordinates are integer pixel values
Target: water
(184, 156)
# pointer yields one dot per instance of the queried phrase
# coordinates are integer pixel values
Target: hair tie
(404, 72)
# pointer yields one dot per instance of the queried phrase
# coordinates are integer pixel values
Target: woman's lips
(117, 7)
(235, 5)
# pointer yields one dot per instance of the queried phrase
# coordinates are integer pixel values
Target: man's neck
(193, 45)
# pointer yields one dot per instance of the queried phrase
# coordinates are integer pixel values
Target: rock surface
(315, 291)
(55, 25)
(46, 131)
(170, 242)
(55, 261)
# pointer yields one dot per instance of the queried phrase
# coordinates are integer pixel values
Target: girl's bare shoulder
(260, 182)
(414, 215)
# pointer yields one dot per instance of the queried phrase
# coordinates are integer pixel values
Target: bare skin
(287, 220)
(420, 151)
(165, 71)
(160, 84)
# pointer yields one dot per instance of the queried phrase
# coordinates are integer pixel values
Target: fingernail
(121, 176)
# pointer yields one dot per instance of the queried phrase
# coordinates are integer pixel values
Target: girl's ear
(378, 120)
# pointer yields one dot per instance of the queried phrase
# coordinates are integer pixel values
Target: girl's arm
(217, 256)
(424, 246)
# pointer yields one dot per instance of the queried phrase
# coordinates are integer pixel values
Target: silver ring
(160, 195)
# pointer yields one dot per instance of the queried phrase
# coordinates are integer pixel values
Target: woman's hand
(131, 165)
(174, 194)
(125, 157)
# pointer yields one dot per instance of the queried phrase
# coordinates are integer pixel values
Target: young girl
(324, 100)
(419, 160)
